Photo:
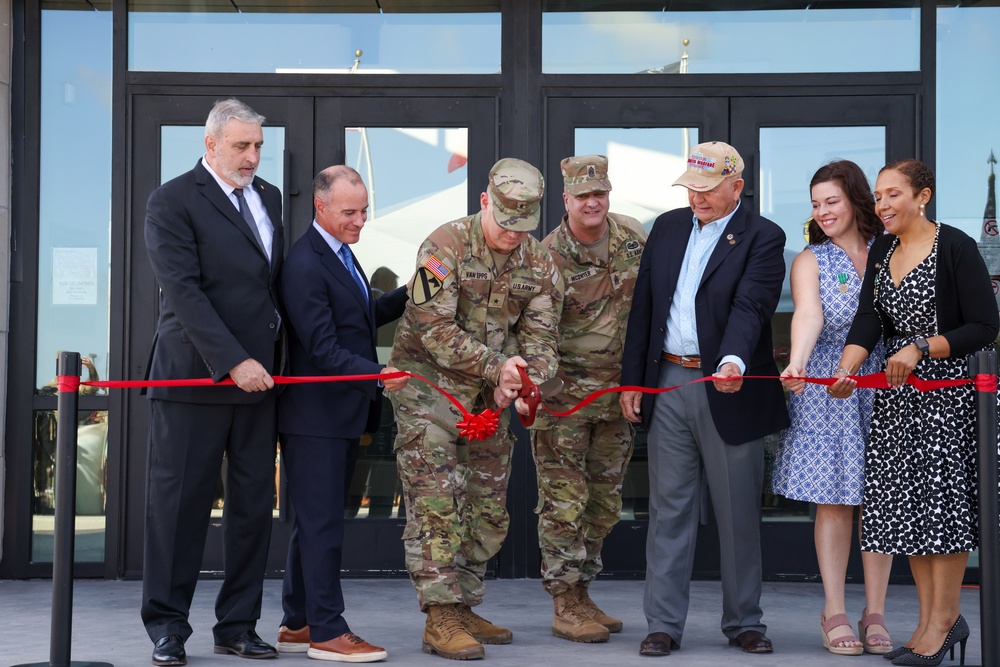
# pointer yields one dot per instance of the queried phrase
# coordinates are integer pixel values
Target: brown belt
(681, 360)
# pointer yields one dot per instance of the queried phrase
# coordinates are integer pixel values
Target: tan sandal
(873, 643)
(835, 645)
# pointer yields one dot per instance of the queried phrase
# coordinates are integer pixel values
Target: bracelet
(842, 369)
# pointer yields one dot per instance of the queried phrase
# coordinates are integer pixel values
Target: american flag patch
(435, 266)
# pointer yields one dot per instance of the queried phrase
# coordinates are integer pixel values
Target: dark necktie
(345, 255)
(248, 216)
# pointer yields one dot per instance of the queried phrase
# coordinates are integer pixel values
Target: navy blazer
(331, 331)
(218, 296)
(736, 298)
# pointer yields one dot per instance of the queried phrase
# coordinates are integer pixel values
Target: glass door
(415, 155)
(424, 161)
(783, 140)
(647, 141)
(167, 139)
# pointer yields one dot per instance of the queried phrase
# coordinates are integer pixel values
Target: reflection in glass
(640, 159)
(296, 42)
(630, 42)
(789, 156)
(74, 202)
(417, 180)
(181, 146)
(91, 477)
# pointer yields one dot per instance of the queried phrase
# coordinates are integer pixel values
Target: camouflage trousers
(580, 467)
(456, 504)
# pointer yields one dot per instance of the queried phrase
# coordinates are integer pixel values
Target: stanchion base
(74, 663)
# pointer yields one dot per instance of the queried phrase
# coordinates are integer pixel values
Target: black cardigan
(966, 308)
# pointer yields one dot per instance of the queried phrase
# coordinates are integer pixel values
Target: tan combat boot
(445, 635)
(610, 622)
(481, 629)
(573, 623)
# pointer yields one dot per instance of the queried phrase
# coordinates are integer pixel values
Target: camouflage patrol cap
(516, 189)
(585, 173)
(709, 164)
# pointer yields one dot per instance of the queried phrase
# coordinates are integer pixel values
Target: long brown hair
(849, 177)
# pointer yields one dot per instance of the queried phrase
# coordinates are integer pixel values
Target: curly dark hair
(917, 173)
(849, 177)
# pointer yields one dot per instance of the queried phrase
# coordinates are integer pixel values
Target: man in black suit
(708, 285)
(332, 322)
(215, 241)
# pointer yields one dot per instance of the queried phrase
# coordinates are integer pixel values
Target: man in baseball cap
(580, 460)
(484, 302)
(709, 282)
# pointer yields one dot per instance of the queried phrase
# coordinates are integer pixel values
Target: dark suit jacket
(736, 298)
(331, 331)
(218, 296)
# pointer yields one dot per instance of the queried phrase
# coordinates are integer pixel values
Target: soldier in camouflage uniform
(484, 300)
(581, 459)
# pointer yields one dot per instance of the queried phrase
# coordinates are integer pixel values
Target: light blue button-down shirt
(682, 327)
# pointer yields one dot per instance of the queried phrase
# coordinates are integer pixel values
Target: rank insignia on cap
(591, 171)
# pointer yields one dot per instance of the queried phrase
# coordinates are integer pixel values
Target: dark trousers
(186, 446)
(311, 593)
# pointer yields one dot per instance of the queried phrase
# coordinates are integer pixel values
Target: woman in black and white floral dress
(927, 293)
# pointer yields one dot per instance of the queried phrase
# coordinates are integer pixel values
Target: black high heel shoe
(959, 634)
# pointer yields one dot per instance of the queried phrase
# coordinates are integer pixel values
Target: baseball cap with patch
(516, 189)
(709, 164)
(585, 173)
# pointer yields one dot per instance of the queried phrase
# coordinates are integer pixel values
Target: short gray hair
(325, 179)
(226, 110)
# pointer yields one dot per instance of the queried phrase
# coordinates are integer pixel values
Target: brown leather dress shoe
(752, 641)
(293, 641)
(657, 643)
(348, 647)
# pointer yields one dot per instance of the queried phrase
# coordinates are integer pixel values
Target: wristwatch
(923, 346)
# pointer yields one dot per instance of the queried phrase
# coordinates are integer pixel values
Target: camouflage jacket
(594, 314)
(465, 318)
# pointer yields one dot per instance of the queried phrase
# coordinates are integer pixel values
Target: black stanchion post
(985, 364)
(65, 522)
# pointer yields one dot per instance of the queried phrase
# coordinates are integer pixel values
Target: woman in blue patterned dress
(820, 458)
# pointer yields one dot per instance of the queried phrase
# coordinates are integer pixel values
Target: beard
(236, 177)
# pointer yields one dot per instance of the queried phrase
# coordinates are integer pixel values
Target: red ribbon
(474, 427)
(484, 424)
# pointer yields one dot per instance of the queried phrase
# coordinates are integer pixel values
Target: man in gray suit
(708, 284)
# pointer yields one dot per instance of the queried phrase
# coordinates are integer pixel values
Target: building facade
(107, 99)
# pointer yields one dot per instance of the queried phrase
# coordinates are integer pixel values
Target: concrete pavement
(384, 611)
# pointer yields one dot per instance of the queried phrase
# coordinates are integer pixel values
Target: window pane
(74, 223)
(181, 146)
(733, 41)
(402, 211)
(638, 159)
(783, 196)
(91, 457)
(320, 41)
(968, 135)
